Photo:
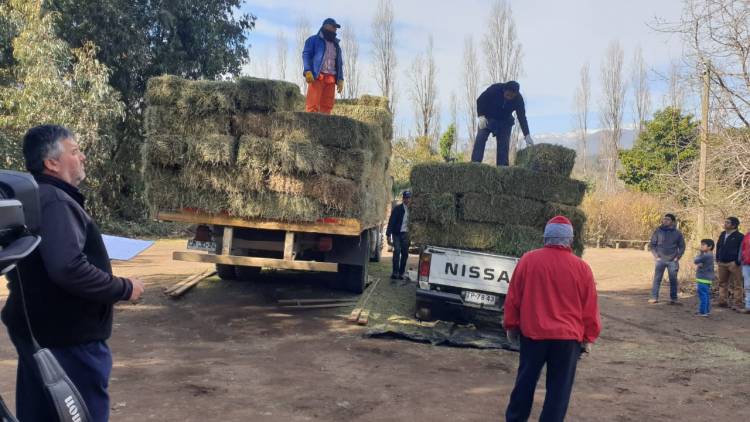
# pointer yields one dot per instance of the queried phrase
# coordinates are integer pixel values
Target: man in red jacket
(552, 309)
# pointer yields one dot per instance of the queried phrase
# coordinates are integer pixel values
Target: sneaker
(675, 303)
(702, 315)
(653, 301)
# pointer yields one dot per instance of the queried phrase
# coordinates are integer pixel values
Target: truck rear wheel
(352, 277)
(226, 272)
(246, 273)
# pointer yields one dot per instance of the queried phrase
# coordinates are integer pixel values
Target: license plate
(480, 298)
(201, 246)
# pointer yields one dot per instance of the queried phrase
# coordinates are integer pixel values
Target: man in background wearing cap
(323, 68)
(495, 108)
(398, 236)
(552, 310)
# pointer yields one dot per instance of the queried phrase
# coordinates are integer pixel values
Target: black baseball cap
(331, 21)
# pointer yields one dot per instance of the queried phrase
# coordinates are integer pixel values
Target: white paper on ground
(124, 249)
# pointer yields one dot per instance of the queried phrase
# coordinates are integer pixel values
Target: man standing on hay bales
(552, 310)
(397, 234)
(324, 68)
(495, 108)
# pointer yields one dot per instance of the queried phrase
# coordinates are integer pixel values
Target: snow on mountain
(594, 139)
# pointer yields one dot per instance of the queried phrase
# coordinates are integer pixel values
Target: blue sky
(557, 37)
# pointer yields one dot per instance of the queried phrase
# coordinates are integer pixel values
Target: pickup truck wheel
(424, 313)
(226, 272)
(352, 277)
(246, 273)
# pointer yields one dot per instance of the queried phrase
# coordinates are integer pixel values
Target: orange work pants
(321, 94)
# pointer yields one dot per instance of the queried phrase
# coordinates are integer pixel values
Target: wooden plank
(329, 267)
(289, 246)
(364, 317)
(187, 286)
(188, 280)
(303, 301)
(340, 226)
(320, 306)
(354, 316)
(226, 241)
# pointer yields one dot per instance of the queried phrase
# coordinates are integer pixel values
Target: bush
(622, 216)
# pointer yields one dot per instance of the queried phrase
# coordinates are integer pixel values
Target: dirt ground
(225, 352)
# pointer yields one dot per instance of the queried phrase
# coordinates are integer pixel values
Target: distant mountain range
(593, 140)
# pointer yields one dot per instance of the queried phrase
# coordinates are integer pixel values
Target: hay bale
(335, 192)
(439, 208)
(490, 180)
(547, 158)
(175, 150)
(168, 120)
(366, 100)
(376, 116)
(501, 209)
(302, 157)
(500, 239)
(328, 131)
(204, 97)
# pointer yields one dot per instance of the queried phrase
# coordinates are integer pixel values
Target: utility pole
(704, 149)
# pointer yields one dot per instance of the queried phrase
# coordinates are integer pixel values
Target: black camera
(20, 216)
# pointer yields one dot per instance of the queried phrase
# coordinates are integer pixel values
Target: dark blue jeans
(704, 298)
(400, 252)
(561, 358)
(672, 267)
(501, 130)
(88, 366)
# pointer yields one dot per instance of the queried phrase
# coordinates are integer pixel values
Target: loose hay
(547, 158)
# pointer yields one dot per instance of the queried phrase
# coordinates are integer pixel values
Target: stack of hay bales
(500, 210)
(245, 148)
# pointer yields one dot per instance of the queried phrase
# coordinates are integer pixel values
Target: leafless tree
(674, 96)
(503, 53)
(501, 45)
(282, 51)
(350, 50)
(582, 104)
(641, 90)
(303, 31)
(453, 109)
(611, 109)
(471, 87)
(717, 33)
(424, 91)
(384, 51)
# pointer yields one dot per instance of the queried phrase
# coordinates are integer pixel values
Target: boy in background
(704, 276)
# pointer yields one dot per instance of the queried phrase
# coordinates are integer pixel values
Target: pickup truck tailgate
(470, 270)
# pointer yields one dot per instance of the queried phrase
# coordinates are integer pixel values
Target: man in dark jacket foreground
(67, 282)
(397, 234)
(495, 109)
(667, 246)
(552, 309)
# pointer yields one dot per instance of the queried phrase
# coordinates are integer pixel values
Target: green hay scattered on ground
(547, 158)
(504, 240)
(437, 208)
(486, 179)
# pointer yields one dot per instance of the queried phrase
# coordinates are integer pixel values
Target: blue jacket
(312, 56)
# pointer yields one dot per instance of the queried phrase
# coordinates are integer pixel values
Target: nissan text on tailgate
(459, 278)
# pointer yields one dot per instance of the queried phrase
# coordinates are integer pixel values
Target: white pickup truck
(460, 278)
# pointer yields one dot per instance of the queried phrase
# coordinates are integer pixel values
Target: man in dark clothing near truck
(667, 246)
(728, 259)
(397, 234)
(68, 284)
(495, 107)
